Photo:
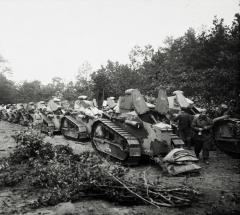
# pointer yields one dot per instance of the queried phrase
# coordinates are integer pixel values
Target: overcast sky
(46, 38)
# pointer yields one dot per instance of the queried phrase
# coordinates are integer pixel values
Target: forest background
(205, 66)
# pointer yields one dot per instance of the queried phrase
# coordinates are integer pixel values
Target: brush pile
(60, 176)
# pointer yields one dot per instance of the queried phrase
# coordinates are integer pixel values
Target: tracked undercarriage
(110, 139)
(227, 135)
(51, 115)
(73, 129)
(77, 124)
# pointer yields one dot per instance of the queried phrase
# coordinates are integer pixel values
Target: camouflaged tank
(132, 130)
(77, 124)
(226, 132)
(52, 115)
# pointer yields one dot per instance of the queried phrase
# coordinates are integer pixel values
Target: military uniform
(37, 120)
(184, 127)
(202, 135)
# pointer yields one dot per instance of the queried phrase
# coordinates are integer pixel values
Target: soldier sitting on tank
(184, 120)
(202, 135)
(37, 119)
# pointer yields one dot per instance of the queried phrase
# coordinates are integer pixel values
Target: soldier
(184, 126)
(202, 135)
(37, 119)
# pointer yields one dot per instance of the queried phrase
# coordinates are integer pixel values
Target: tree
(83, 84)
(7, 87)
(58, 84)
(138, 55)
(29, 91)
(7, 90)
(70, 92)
(4, 66)
(84, 71)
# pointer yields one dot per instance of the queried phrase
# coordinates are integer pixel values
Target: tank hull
(74, 129)
(227, 136)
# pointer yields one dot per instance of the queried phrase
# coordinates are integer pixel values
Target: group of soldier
(196, 129)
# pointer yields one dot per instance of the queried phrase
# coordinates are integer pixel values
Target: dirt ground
(218, 182)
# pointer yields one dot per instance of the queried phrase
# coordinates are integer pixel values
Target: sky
(42, 39)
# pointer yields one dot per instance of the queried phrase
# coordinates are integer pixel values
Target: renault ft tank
(30, 109)
(133, 130)
(42, 106)
(5, 112)
(77, 124)
(16, 113)
(51, 117)
(226, 130)
(12, 113)
(178, 101)
(24, 116)
(109, 104)
(41, 113)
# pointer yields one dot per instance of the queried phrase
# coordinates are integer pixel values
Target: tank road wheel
(30, 122)
(46, 129)
(69, 130)
(108, 142)
(21, 121)
(43, 127)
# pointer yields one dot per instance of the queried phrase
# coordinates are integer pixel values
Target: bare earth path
(219, 182)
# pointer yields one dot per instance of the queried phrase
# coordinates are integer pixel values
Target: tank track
(129, 154)
(78, 133)
(47, 128)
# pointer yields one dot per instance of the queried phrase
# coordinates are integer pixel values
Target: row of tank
(125, 129)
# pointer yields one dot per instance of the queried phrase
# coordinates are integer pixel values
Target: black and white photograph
(119, 107)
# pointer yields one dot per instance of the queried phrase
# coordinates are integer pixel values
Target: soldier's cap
(42, 102)
(83, 97)
(112, 97)
(31, 103)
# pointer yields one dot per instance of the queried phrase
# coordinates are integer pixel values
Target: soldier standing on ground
(202, 135)
(184, 126)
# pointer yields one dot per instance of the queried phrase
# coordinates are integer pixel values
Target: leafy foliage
(204, 65)
(60, 176)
